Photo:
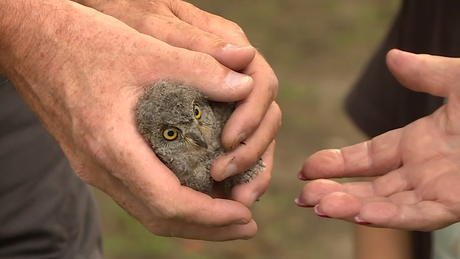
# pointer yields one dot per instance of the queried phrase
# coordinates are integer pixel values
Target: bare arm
(380, 243)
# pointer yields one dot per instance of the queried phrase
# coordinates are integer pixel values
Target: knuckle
(207, 67)
(272, 86)
(233, 26)
(85, 176)
(205, 39)
(276, 110)
(159, 228)
(251, 157)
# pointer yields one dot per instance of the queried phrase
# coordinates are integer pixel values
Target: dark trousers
(45, 210)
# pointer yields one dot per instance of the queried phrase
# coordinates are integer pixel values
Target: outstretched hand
(417, 168)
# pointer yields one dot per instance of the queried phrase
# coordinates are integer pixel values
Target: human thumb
(424, 73)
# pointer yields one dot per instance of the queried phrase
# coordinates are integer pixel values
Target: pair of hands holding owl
(81, 68)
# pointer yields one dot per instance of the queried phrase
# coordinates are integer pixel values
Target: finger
(178, 203)
(170, 228)
(217, 82)
(314, 191)
(391, 183)
(344, 206)
(248, 193)
(423, 216)
(251, 111)
(338, 205)
(424, 73)
(246, 155)
(181, 34)
(183, 230)
(211, 23)
(371, 158)
(402, 211)
(355, 202)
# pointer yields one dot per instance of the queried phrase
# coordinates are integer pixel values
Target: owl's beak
(197, 138)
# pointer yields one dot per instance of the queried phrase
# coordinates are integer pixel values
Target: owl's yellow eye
(170, 134)
(197, 111)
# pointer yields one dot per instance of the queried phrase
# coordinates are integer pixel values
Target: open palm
(416, 168)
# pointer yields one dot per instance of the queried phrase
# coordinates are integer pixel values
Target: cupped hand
(83, 79)
(257, 117)
(417, 168)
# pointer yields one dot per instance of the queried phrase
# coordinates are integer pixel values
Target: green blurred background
(317, 49)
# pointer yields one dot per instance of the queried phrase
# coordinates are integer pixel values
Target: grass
(317, 49)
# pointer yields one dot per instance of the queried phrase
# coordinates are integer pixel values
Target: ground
(317, 49)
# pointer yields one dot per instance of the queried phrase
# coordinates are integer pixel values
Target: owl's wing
(222, 111)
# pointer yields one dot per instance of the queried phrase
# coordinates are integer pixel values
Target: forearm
(35, 42)
(47, 47)
(27, 29)
(376, 243)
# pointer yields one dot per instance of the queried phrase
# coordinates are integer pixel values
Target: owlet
(184, 130)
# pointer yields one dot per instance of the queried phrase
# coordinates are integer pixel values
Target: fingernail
(235, 79)
(230, 170)
(240, 222)
(301, 176)
(301, 204)
(359, 221)
(319, 213)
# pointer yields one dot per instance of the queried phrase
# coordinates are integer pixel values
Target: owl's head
(174, 118)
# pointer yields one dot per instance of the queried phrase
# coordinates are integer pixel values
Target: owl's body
(184, 130)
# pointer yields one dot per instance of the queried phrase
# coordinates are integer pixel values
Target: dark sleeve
(45, 210)
(378, 102)
(421, 244)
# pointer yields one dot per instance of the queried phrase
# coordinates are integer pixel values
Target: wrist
(52, 49)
